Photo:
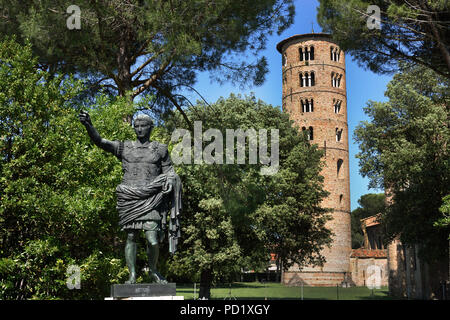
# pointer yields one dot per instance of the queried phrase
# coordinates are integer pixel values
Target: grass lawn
(257, 290)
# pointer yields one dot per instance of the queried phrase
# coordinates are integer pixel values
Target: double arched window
(306, 53)
(336, 79)
(307, 79)
(335, 53)
(309, 132)
(307, 105)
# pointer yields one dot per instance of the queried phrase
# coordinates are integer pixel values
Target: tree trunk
(205, 284)
(124, 78)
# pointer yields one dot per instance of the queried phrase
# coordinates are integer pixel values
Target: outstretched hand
(84, 118)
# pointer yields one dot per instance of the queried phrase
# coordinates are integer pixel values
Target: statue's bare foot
(158, 278)
(132, 279)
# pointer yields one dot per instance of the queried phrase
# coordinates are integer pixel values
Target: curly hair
(144, 117)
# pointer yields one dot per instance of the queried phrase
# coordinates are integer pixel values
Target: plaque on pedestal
(141, 290)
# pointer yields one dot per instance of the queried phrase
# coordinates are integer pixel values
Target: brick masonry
(324, 122)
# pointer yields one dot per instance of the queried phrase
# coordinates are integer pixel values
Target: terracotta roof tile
(369, 253)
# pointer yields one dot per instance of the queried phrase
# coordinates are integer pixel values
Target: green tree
(143, 46)
(57, 202)
(369, 204)
(445, 210)
(415, 31)
(404, 148)
(233, 216)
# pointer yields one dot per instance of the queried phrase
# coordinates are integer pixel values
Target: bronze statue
(150, 188)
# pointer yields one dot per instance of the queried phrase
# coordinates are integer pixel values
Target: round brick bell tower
(314, 95)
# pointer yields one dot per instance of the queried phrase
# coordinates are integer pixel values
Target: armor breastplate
(141, 164)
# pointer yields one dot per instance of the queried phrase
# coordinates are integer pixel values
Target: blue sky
(362, 86)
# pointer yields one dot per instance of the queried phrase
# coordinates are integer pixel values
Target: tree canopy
(57, 205)
(415, 31)
(404, 148)
(369, 204)
(150, 47)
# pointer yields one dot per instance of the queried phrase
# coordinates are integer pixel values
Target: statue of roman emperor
(150, 189)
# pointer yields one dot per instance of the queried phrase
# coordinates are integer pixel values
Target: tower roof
(321, 35)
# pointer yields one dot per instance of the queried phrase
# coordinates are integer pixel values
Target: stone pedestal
(144, 291)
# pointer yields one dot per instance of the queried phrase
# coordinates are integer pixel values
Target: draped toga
(146, 169)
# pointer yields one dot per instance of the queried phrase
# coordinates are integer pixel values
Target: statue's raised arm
(110, 146)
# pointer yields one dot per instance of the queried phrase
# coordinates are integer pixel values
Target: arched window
(339, 167)
(341, 197)
(338, 134)
(283, 60)
(311, 53)
(335, 79)
(310, 133)
(300, 54)
(334, 54)
(337, 105)
(307, 105)
(307, 79)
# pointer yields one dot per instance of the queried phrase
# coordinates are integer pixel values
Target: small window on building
(307, 105)
(311, 53)
(310, 133)
(283, 60)
(338, 134)
(334, 54)
(335, 79)
(337, 106)
(339, 167)
(341, 197)
(300, 54)
(307, 79)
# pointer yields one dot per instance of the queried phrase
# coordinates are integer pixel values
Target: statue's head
(143, 126)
